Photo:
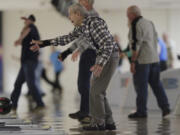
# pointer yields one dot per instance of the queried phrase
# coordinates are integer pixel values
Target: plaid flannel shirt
(95, 31)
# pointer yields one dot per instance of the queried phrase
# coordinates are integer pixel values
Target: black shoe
(28, 95)
(137, 115)
(76, 115)
(165, 113)
(110, 126)
(43, 94)
(94, 127)
(39, 108)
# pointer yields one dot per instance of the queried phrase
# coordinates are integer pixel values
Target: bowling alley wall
(1, 56)
(52, 24)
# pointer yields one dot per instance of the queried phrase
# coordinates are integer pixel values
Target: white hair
(78, 8)
(91, 2)
(135, 10)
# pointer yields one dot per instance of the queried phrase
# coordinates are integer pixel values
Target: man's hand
(34, 48)
(36, 42)
(96, 69)
(122, 55)
(133, 70)
(75, 56)
(17, 42)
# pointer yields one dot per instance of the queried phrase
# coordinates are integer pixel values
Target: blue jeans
(38, 74)
(149, 73)
(87, 60)
(26, 74)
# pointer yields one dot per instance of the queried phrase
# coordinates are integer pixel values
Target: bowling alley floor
(54, 120)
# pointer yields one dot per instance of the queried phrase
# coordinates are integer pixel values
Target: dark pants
(163, 65)
(26, 74)
(149, 73)
(87, 60)
(57, 84)
(44, 76)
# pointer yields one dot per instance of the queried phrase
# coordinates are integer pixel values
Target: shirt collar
(136, 19)
(84, 21)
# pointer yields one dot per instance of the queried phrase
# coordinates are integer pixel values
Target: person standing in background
(170, 59)
(145, 66)
(127, 51)
(162, 55)
(29, 62)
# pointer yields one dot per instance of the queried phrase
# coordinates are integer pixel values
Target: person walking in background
(29, 62)
(117, 39)
(58, 68)
(38, 74)
(162, 55)
(145, 66)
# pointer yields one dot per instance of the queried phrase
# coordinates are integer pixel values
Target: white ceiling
(122, 4)
(99, 4)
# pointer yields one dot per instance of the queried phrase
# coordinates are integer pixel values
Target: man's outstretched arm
(61, 40)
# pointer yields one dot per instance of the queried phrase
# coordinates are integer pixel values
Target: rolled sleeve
(73, 47)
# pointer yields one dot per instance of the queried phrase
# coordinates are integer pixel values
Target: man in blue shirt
(58, 67)
(163, 55)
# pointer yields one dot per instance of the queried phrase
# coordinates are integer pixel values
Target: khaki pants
(99, 106)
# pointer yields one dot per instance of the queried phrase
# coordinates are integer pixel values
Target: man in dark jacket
(29, 61)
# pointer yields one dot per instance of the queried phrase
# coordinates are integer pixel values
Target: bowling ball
(5, 105)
